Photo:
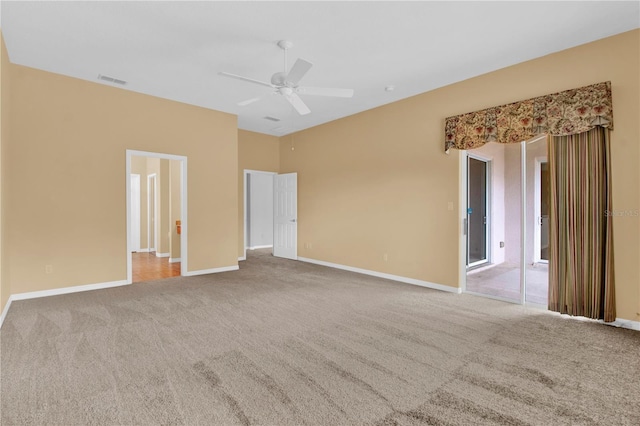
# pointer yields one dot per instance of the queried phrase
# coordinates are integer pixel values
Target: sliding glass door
(493, 221)
(536, 281)
(506, 225)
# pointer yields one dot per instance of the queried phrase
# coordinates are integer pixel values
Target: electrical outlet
(450, 206)
(48, 269)
(385, 257)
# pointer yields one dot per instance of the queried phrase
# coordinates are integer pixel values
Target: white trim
(212, 271)
(5, 310)
(135, 177)
(242, 258)
(174, 259)
(154, 177)
(537, 207)
(623, 323)
(523, 223)
(143, 250)
(260, 247)
(128, 211)
(384, 275)
(183, 208)
(163, 254)
(67, 290)
(487, 160)
(244, 206)
(462, 218)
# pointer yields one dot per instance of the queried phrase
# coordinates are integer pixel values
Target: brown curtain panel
(581, 279)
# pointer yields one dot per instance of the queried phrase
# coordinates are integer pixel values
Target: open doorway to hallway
(258, 210)
(156, 216)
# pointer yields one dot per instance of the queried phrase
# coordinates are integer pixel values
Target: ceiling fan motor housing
(279, 79)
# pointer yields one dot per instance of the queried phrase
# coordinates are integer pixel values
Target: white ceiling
(175, 50)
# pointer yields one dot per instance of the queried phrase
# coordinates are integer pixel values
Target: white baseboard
(623, 323)
(242, 258)
(67, 290)
(163, 254)
(5, 310)
(260, 247)
(175, 259)
(383, 275)
(143, 250)
(211, 271)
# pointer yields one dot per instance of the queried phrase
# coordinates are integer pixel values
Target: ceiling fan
(286, 84)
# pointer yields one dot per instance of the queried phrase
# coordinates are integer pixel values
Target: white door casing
(135, 212)
(285, 216)
(152, 236)
(541, 224)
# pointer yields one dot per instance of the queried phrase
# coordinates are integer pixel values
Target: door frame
(154, 177)
(245, 187)
(488, 193)
(537, 209)
(462, 215)
(183, 206)
(135, 225)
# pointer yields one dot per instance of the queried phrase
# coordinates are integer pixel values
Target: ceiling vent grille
(271, 118)
(111, 79)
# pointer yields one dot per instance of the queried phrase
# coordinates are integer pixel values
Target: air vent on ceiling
(271, 118)
(111, 79)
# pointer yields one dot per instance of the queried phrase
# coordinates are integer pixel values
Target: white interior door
(285, 215)
(135, 213)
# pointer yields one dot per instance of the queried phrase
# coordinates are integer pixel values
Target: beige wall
(256, 151)
(4, 142)
(175, 205)
(378, 182)
(67, 178)
(139, 167)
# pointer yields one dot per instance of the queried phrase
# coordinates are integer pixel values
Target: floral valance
(559, 114)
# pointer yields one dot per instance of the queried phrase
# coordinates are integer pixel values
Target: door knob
(292, 220)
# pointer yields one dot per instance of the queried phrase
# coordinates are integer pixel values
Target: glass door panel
(537, 222)
(499, 275)
(476, 211)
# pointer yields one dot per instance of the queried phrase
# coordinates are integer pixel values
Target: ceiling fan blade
(250, 80)
(299, 69)
(298, 104)
(325, 91)
(248, 101)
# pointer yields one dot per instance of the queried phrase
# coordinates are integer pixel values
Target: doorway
(477, 211)
(517, 189)
(152, 213)
(258, 210)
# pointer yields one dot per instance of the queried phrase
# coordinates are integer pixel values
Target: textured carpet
(287, 343)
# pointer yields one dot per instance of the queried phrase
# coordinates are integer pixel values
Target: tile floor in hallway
(503, 280)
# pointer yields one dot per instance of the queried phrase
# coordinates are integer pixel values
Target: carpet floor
(281, 342)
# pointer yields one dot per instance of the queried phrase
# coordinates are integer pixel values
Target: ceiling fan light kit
(286, 83)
